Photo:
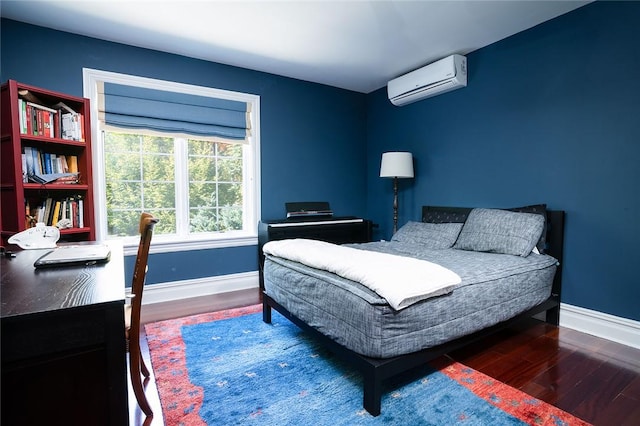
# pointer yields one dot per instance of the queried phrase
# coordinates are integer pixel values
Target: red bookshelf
(32, 124)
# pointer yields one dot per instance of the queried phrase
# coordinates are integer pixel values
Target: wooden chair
(132, 313)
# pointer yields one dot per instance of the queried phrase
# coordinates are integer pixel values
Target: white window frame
(251, 166)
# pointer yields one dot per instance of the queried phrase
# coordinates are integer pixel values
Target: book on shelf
(62, 106)
(72, 164)
(41, 107)
(29, 161)
(64, 165)
(47, 163)
(25, 175)
(22, 115)
(36, 119)
(56, 214)
(80, 215)
(71, 124)
(72, 128)
(44, 211)
(55, 178)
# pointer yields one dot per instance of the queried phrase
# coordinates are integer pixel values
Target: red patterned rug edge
(507, 398)
(180, 399)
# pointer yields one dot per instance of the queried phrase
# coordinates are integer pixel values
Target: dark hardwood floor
(592, 378)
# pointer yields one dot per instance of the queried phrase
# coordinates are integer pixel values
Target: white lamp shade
(396, 164)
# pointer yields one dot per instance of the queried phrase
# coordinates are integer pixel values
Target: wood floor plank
(476, 360)
(633, 389)
(534, 389)
(623, 356)
(560, 380)
(603, 385)
(622, 411)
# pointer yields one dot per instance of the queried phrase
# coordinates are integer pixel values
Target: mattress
(494, 288)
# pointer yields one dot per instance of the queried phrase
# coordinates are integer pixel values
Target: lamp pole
(395, 204)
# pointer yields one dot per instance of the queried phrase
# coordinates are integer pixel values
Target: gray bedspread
(472, 266)
(494, 288)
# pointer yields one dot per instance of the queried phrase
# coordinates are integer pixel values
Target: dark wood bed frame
(376, 370)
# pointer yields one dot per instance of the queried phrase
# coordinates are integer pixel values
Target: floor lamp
(396, 165)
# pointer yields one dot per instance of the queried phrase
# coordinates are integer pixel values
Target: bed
(497, 266)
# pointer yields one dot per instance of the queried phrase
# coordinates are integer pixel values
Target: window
(202, 186)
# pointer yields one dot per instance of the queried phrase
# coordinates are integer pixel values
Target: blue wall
(312, 136)
(550, 115)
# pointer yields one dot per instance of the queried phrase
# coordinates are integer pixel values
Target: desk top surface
(27, 290)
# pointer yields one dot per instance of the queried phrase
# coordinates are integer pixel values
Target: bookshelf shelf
(45, 132)
(75, 231)
(50, 140)
(55, 187)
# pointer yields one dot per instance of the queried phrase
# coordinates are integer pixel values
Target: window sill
(159, 245)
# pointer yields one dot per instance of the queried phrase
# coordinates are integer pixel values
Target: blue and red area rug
(229, 368)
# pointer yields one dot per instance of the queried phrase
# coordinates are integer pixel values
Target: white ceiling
(351, 44)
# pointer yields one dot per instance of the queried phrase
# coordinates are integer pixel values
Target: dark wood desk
(63, 345)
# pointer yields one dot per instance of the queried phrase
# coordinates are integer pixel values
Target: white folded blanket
(402, 281)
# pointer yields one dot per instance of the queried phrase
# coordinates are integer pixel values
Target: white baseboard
(176, 290)
(617, 329)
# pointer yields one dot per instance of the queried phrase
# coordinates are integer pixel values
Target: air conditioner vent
(442, 76)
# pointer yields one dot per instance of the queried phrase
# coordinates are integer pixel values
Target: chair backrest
(147, 222)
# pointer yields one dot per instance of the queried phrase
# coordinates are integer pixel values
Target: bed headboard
(554, 237)
(439, 214)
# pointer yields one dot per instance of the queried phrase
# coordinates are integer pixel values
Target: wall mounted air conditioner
(442, 76)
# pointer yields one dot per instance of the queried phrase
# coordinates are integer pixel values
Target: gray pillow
(540, 209)
(429, 235)
(500, 231)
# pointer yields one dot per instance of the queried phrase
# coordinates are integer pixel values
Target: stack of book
(52, 211)
(57, 121)
(44, 167)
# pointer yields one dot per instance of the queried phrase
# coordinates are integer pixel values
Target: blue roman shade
(171, 112)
